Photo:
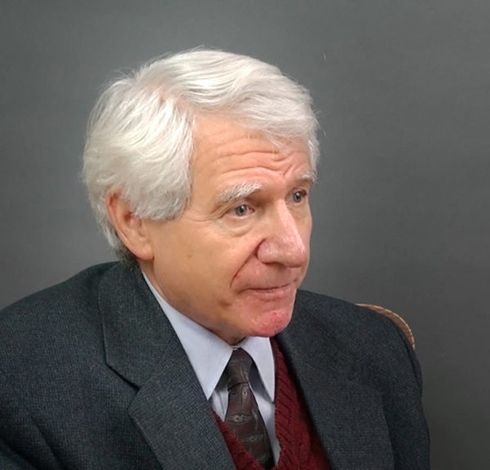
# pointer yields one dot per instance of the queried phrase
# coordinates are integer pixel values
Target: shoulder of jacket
(358, 322)
(71, 288)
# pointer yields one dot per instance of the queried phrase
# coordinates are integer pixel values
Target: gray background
(403, 92)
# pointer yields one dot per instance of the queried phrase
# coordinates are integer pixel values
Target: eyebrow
(309, 177)
(238, 191)
(243, 190)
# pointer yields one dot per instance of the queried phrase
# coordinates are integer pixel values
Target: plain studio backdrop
(402, 90)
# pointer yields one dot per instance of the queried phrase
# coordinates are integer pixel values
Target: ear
(130, 229)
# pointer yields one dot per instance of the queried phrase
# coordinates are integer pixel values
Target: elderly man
(197, 350)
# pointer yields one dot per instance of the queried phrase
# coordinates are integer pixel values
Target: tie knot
(238, 368)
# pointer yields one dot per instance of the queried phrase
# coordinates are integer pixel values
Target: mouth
(273, 292)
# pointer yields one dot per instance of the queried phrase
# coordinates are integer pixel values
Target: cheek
(236, 258)
(249, 271)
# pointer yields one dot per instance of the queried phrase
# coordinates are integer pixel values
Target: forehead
(224, 149)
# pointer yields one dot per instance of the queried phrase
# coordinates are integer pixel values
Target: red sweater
(300, 445)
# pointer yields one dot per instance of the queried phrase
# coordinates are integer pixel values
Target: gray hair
(140, 132)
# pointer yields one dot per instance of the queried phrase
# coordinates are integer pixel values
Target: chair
(396, 319)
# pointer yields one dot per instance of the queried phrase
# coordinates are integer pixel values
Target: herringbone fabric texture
(243, 416)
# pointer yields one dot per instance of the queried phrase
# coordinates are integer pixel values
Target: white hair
(140, 133)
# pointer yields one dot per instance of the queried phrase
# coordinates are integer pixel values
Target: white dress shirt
(209, 355)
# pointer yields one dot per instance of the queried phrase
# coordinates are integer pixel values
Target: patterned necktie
(243, 416)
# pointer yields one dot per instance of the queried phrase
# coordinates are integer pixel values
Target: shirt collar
(209, 354)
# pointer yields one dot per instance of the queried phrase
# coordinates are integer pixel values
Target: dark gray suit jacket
(92, 376)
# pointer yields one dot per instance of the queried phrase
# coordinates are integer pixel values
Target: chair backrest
(395, 318)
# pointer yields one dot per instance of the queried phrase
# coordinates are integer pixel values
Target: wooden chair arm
(395, 318)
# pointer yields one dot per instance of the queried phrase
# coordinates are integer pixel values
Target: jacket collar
(135, 332)
(169, 408)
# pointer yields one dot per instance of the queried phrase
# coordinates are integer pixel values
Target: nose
(284, 243)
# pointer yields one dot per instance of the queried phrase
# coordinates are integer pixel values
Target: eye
(299, 196)
(241, 211)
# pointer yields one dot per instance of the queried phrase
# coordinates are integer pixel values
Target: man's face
(233, 260)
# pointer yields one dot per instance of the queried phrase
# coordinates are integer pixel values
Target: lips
(273, 292)
(261, 285)
(270, 288)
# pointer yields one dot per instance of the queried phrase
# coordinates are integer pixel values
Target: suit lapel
(175, 418)
(169, 408)
(347, 415)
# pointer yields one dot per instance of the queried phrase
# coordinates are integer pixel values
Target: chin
(266, 312)
(272, 322)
